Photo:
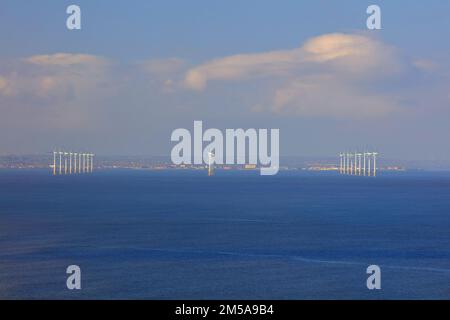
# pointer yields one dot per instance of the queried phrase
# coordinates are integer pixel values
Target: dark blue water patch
(181, 234)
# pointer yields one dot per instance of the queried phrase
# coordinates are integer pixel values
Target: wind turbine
(54, 162)
(359, 163)
(70, 162)
(210, 163)
(344, 169)
(364, 167)
(75, 156)
(60, 162)
(348, 163)
(79, 162)
(369, 170)
(92, 162)
(351, 164)
(65, 162)
(374, 163)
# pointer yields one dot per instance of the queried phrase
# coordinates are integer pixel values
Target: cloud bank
(332, 77)
(328, 75)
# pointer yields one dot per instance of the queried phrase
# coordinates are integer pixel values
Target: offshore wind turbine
(348, 164)
(65, 162)
(351, 164)
(75, 155)
(357, 171)
(364, 167)
(60, 162)
(54, 163)
(92, 167)
(210, 163)
(70, 162)
(344, 164)
(369, 170)
(374, 163)
(359, 164)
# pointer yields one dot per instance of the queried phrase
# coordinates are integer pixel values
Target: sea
(179, 234)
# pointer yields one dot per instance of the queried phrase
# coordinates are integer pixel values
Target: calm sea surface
(237, 235)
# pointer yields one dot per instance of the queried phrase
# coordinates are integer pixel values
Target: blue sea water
(237, 235)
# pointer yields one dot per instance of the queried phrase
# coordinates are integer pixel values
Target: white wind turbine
(60, 162)
(210, 163)
(375, 163)
(75, 156)
(70, 162)
(364, 163)
(92, 162)
(359, 163)
(54, 162)
(369, 168)
(350, 163)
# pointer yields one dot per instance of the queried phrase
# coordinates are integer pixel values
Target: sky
(137, 70)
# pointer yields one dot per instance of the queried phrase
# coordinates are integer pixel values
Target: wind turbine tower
(364, 164)
(210, 163)
(54, 163)
(70, 162)
(359, 164)
(375, 163)
(60, 162)
(349, 163)
(75, 156)
(91, 163)
(65, 162)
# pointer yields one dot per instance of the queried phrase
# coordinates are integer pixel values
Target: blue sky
(204, 29)
(122, 83)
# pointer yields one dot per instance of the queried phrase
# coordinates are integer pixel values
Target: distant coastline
(44, 161)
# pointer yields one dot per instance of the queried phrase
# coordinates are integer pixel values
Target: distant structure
(358, 164)
(210, 163)
(72, 163)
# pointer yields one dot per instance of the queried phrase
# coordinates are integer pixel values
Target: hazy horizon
(135, 72)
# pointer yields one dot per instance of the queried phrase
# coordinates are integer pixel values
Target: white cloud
(55, 75)
(327, 76)
(58, 90)
(326, 96)
(244, 66)
(349, 53)
(5, 86)
(66, 59)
